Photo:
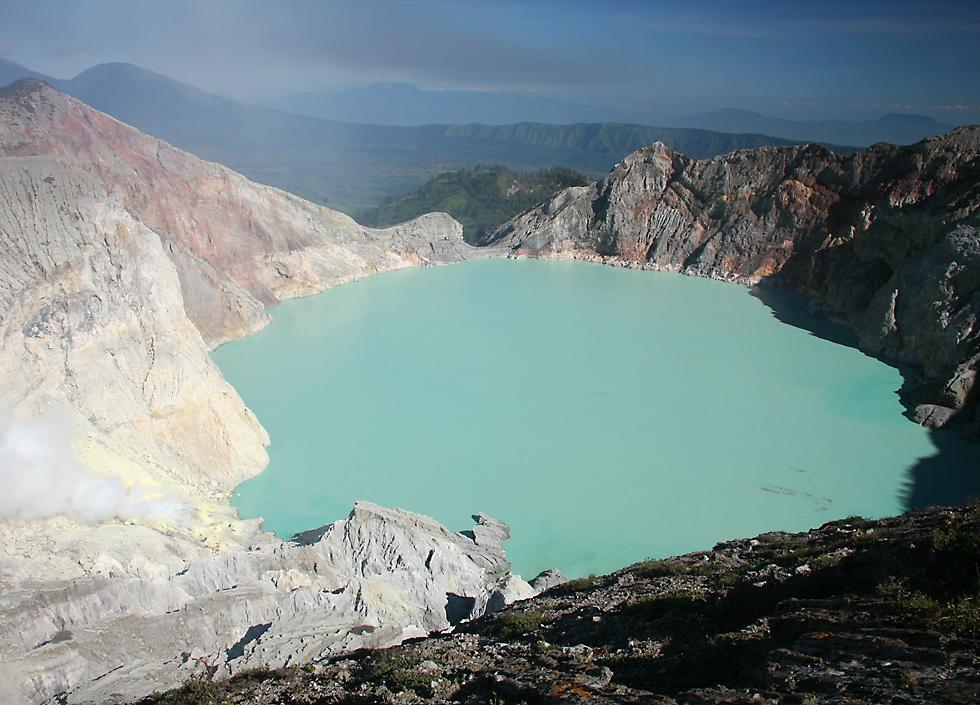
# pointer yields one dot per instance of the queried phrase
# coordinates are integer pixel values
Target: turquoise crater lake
(607, 415)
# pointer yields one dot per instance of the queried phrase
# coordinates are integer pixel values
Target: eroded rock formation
(122, 262)
(371, 580)
(885, 239)
(853, 612)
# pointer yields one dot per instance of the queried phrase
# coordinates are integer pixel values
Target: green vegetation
(828, 560)
(957, 544)
(480, 198)
(852, 522)
(579, 584)
(960, 616)
(668, 567)
(513, 625)
(384, 667)
(201, 691)
(401, 673)
(197, 692)
(655, 604)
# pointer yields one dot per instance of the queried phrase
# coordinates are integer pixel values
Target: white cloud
(40, 478)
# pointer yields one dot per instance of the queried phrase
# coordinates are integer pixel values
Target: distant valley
(481, 198)
(407, 105)
(351, 167)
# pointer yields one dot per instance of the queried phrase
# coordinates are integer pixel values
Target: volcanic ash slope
(123, 260)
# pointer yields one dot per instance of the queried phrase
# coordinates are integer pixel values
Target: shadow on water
(795, 309)
(951, 476)
(948, 477)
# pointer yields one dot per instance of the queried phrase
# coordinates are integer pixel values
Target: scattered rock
(548, 579)
(892, 618)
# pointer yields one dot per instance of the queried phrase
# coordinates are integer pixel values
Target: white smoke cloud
(40, 478)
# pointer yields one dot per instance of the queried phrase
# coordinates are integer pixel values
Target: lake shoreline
(358, 395)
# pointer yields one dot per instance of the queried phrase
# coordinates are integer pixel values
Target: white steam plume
(40, 478)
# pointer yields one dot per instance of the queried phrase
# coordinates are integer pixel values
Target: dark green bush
(514, 625)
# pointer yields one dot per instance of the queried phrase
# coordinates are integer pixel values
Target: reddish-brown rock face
(237, 245)
(123, 259)
(886, 239)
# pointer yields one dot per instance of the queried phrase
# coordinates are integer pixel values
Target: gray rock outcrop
(547, 579)
(371, 580)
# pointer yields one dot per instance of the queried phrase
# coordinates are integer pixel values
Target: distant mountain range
(896, 128)
(407, 105)
(350, 166)
(11, 71)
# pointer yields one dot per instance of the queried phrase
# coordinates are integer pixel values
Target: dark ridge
(24, 87)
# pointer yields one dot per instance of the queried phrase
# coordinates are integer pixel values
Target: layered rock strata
(368, 581)
(122, 262)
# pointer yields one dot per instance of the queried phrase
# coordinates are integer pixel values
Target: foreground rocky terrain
(853, 612)
(368, 581)
(885, 240)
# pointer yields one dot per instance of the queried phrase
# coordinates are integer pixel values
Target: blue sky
(790, 59)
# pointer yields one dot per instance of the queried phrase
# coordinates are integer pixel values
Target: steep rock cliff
(885, 239)
(124, 259)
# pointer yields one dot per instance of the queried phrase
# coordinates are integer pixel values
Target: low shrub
(514, 625)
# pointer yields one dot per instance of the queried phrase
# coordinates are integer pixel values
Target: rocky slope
(853, 612)
(122, 261)
(368, 581)
(885, 239)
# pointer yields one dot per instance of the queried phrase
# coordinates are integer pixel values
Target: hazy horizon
(630, 59)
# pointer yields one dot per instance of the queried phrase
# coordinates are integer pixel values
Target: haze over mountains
(356, 166)
(408, 105)
(353, 166)
(897, 128)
